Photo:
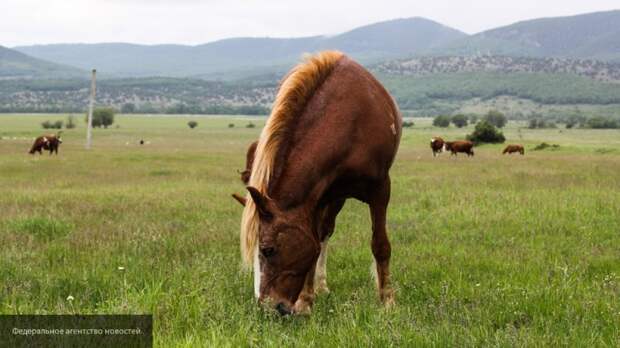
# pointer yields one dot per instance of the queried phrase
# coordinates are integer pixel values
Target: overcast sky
(25, 22)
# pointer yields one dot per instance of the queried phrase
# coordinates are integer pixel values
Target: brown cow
(437, 145)
(245, 175)
(49, 142)
(510, 149)
(460, 146)
(249, 160)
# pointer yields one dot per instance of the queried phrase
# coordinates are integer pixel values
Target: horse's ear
(239, 199)
(262, 203)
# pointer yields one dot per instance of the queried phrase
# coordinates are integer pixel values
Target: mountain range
(589, 36)
(242, 57)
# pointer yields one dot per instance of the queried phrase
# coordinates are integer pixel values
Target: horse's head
(287, 252)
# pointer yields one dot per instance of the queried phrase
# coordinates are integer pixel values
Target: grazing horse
(333, 134)
(463, 146)
(510, 149)
(49, 142)
(437, 145)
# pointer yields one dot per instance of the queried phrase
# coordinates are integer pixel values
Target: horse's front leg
(381, 248)
(327, 229)
(304, 302)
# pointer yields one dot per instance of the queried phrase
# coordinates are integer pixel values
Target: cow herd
(438, 145)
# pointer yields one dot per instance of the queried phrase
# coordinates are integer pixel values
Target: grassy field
(487, 251)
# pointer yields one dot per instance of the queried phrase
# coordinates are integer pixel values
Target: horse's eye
(268, 252)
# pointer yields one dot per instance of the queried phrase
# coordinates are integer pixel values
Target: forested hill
(596, 70)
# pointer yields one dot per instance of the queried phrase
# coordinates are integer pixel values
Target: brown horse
(463, 146)
(437, 145)
(49, 142)
(332, 135)
(510, 149)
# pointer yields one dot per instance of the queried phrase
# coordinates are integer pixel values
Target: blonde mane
(295, 91)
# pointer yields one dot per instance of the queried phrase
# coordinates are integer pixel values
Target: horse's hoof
(387, 298)
(321, 289)
(302, 308)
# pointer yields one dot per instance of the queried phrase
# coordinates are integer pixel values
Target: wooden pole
(91, 106)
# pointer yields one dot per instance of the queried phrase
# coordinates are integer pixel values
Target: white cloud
(199, 21)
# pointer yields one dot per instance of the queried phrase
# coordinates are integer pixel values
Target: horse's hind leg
(381, 248)
(327, 228)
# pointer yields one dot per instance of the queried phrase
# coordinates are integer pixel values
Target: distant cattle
(510, 149)
(437, 145)
(49, 142)
(249, 161)
(245, 175)
(463, 146)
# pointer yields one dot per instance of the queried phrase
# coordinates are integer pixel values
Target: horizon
(187, 31)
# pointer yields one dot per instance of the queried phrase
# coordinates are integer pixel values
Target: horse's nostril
(267, 252)
(281, 308)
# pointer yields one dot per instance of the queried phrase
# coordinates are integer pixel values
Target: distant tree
(442, 121)
(102, 117)
(598, 122)
(485, 132)
(250, 125)
(408, 124)
(52, 125)
(192, 124)
(128, 108)
(231, 125)
(70, 122)
(495, 118)
(459, 120)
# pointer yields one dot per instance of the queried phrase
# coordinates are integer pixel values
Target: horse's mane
(295, 91)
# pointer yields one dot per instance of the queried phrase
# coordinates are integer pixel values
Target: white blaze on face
(257, 274)
(433, 140)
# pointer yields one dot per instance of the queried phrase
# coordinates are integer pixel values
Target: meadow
(486, 251)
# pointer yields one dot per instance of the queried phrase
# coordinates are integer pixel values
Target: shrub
(231, 125)
(52, 125)
(250, 125)
(543, 146)
(442, 121)
(459, 121)
(486, 133)
(102, 117)
(408, 124)
(70, 122)
(495, 118)
(192, 124)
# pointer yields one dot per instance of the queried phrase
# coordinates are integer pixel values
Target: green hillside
(14, 64)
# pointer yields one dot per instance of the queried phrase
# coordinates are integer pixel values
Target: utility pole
(89, 127)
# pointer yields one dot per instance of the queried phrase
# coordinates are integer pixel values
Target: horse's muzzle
(282, 309)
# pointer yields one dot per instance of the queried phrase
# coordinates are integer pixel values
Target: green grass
(490, 251)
